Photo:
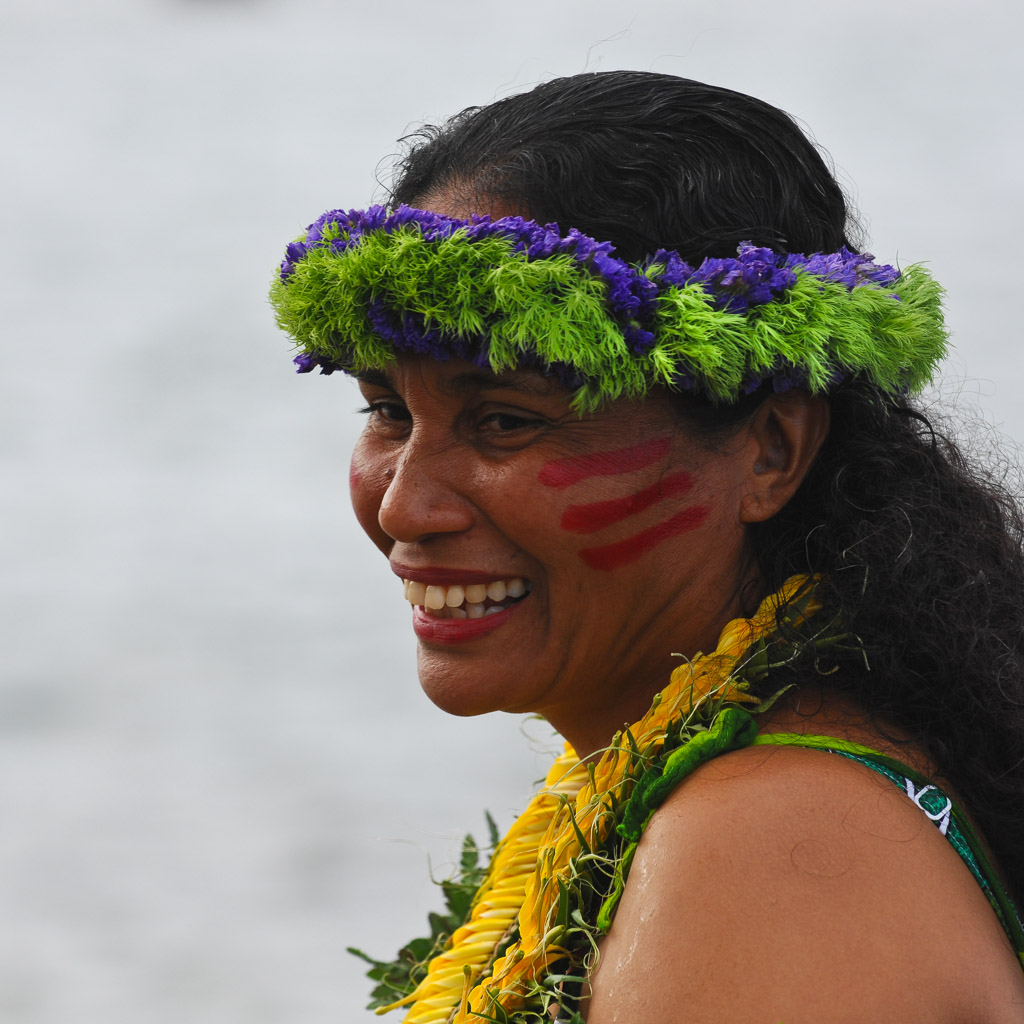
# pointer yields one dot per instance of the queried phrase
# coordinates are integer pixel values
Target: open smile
(465, 600)
(453, 607)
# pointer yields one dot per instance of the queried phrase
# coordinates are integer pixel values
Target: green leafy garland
(362, 287)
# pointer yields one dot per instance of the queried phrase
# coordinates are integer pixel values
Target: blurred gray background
(216, 767)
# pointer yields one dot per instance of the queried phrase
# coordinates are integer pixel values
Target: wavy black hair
(921, 549)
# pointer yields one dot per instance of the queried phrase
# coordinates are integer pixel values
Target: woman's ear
(786, 434)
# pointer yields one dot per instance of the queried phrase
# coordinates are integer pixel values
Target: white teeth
(464, 601)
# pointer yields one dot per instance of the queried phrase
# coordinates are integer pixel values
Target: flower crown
(361, 287)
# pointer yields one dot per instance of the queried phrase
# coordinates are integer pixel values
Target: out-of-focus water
(216, 768)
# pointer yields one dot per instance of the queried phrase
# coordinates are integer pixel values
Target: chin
(462, 692)
(454, 700)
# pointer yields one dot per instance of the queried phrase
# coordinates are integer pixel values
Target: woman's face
(559, 564)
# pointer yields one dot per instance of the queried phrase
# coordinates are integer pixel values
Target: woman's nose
(424, 496)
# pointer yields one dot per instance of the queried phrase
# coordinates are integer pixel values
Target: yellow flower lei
(524, 893)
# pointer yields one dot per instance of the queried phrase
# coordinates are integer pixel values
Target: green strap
(795, 739)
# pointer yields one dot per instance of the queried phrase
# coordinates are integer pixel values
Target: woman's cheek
(367, 484)
(641, 509)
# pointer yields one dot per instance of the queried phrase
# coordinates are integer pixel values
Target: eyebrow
(526, 383)
(469, 382)
(375, 378)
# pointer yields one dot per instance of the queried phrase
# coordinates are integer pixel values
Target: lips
(433, 630)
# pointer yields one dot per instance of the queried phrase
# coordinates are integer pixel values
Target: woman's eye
(393, 412)
(505, 422)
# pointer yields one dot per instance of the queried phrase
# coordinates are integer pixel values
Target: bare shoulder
(785, 884)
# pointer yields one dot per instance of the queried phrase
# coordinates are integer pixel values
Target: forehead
(459, 379)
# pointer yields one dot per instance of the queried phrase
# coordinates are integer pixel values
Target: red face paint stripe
(599, 514)
(565, 472)
(614, 556)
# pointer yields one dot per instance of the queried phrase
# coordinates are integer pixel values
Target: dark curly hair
(920, 549)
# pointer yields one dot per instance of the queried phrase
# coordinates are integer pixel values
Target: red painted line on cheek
(599, 514)
(614, 556)
(565, 472)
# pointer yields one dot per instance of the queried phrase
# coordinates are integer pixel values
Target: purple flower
(433, 226)
(675, 270)
(756, 275)
(624, 296)
(844, 267)
(638, 339)
(293, 252)
(583, 247)
(348, 221)
(682, 378)
(544, 240)
(307, 361)
(423, 340)
(788, 378)
(750, 279)
(408, 332)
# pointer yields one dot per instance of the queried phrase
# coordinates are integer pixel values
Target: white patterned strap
(941, 817)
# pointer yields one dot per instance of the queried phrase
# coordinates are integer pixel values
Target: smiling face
(554, 562)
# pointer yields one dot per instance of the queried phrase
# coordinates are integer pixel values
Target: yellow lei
(574, 813)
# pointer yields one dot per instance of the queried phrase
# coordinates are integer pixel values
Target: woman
(673, 495)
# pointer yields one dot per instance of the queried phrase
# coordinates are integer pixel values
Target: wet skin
(461, 473)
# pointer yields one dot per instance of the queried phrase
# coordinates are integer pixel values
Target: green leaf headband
(362, 287)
